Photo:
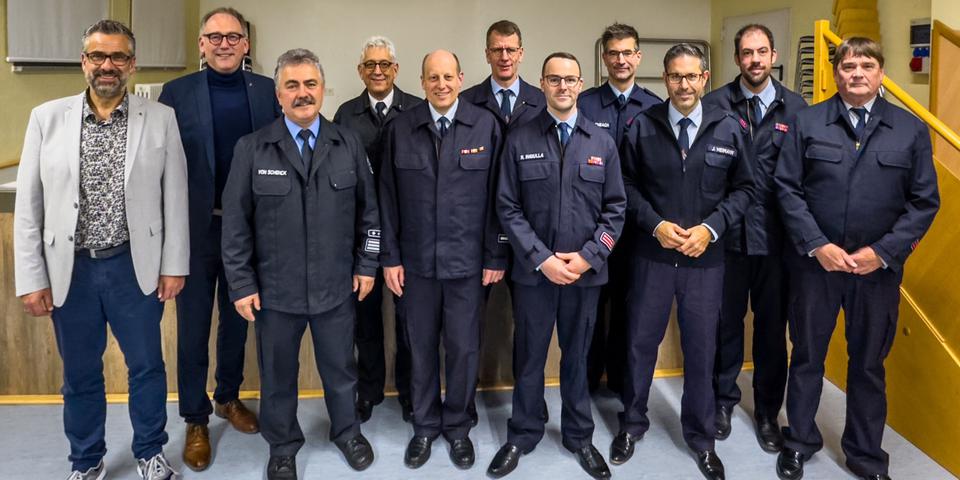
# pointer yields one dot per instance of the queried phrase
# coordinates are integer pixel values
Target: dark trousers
(278, 350)
(699, 294)
(105, 291)
(760, 278)
(608, 348)
(451, 310)
(870, 314)
(371, 359)
(536, 310)
(194, 318)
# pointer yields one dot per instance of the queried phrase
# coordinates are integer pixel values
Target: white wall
(334, 30)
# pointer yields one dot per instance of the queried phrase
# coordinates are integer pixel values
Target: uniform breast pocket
(895, 160)
(410, 162)
(531, 171)
(715, 168)
(343, 180)
(593, 173)
(824, 153)
(475, 161)
(271, 185)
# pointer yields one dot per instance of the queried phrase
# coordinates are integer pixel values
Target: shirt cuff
(713, 233)
(654, 234)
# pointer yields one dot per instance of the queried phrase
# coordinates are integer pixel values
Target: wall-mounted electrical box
(920, 43)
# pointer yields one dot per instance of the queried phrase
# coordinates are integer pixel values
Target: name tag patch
(595, 161)
(531, 156)
(602, 124)
(468, 151)
(502, 238)
(273, 173)
(722, 150)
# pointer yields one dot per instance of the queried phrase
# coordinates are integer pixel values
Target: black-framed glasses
(615, 54)
(370, 65)
(554, 80)
(117, 58)
(676, 78)
(217, 38)
(499, 51)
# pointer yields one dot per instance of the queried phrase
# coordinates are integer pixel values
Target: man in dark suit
(858, 190)
(301, 232)
(753, 263)
(214, 108)
(368, 116)
(687, 173)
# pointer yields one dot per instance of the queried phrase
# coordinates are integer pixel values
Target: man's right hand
(556, 271)
(670, 235)
(39, 303)
(246, 305)
(834, 259)
(393, 277)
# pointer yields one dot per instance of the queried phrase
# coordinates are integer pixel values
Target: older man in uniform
(687, 173)
(753, 263)
(561, 202)
(858, 189)
(215, 107)
(612, 107)
(368, 116)
(300, 237)
(441, 247)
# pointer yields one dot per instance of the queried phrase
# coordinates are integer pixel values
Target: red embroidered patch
(607, 240)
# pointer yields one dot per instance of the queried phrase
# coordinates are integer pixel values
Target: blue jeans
(105, 291)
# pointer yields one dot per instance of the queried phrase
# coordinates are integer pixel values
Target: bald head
(441, 79)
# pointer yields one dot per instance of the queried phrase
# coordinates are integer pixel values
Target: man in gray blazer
(101, 237)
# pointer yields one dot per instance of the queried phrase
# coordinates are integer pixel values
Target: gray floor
(32, 445)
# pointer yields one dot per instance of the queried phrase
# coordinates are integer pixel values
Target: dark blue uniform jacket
(526, 106)
(600, 105)
(356, 115)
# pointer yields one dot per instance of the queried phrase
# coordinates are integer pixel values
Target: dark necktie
(755, 114)
(381, 110)
(505, 110)
(306, 151)
(443, 121)
(861, 114)
(683, 138)
(564, 133)
(622, 101)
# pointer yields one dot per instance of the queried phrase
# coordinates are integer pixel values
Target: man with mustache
(441, 246)
(215, 107)
(368, 115)
(100, 238)
(753, 260)
(688, 177)
(858, 188)
(612, 107)
(301, 234)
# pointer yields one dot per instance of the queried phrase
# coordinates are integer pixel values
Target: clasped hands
(691, 242)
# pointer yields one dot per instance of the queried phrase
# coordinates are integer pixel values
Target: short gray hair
(226, 11)
(109, 27)
(378, 41)
(296, 56)
(685, 50)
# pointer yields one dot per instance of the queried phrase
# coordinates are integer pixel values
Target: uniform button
(70, 238)
(75, 205)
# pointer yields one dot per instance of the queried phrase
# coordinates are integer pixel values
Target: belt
(218, 212)
(101, 253)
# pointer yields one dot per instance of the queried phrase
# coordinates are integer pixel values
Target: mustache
(305, 100)
(101, 72)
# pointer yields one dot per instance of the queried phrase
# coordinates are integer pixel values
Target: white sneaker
(96, 473)
(156, 468)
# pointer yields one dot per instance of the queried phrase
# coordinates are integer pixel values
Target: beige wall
(947, 11)
(20, 92)
(418, 26)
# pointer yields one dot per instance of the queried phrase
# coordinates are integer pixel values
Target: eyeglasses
(554, 80)
(117, 58)
(615, 54)
(217, 38)
(676, 78)
(499, 51)
(371, 65)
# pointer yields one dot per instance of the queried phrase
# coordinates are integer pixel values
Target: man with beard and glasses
(100, 238)
(301, 234)
(215, 107)
(612, 107)
(368, 115)
(753, 261)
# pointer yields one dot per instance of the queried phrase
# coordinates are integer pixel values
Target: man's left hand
(491, 276)
(575, 263)
(867, 261)
(169, 287)
(697, 242)
(362, 284)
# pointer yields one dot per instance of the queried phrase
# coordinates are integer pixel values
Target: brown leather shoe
(236, 412)
(196, 447)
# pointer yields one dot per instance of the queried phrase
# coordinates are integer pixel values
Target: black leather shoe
(282, 467)
(418, 451)
(406, 408)
(592, 462)
(710, 465)
(878, 476)
(621, 449)
(364, 410)
(504, 461)
(357, 452)
(461, 453)
(790, 465)
(769, 435)
(722, 422)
